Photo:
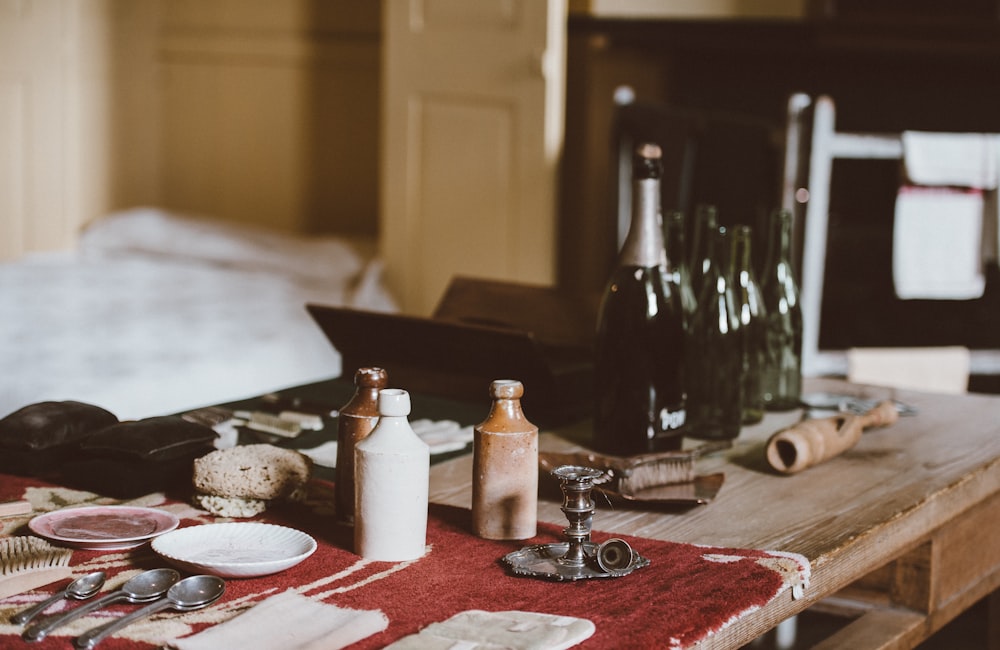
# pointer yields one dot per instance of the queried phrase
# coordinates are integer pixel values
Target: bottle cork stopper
(506, 389)
(393, 401)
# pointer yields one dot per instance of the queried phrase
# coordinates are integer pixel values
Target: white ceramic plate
(235, 550)
(103, 528)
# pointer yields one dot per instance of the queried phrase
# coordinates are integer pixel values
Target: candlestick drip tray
(577, 558)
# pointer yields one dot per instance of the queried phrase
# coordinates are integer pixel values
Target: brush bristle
(27, 553)
(653, 473)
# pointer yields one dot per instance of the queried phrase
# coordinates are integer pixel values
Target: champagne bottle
(714, 351)
(750, 307)
(639, 344)
(782, 376)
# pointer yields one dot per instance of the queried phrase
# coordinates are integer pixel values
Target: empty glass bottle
(750, 307)
(715, 351)
(782, 376)
(678, 271)
(706, 221)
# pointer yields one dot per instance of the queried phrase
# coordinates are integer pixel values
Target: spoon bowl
(187, 595)
(143, 588)
(80, 589)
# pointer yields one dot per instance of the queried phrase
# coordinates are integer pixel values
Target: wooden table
(902, 531)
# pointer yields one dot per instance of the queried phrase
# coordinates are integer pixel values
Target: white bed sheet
(156, 313)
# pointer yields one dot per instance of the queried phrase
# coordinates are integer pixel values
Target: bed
(157, 312)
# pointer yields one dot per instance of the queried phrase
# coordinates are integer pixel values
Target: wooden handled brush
(811, 442)
(28, 562)
(631, 474)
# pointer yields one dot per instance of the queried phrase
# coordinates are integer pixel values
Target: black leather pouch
(130, 459)
(37, 439)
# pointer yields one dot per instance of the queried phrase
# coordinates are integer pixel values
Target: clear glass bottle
(678, 271)
(640, 333)
(782, 376)
(706, 221)
(714, 351)
(750, 307)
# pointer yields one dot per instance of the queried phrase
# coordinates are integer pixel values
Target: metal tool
(80, 589)
(143, 588)
(187, 595)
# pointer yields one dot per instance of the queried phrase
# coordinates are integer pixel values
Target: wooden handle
(15, 508)
(811, 442)
(22, 581)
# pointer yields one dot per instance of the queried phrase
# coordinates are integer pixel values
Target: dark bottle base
(713, 432)
(753, 415)
(782, 405)
(617, 448)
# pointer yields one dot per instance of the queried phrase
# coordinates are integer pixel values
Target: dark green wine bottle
(640, 333)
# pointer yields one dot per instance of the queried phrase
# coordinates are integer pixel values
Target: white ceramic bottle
(392, 473)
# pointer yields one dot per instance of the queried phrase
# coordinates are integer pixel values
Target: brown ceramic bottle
(357, 419)
(505, 468)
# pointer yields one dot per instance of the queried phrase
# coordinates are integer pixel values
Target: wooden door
(472, 132)
(35, 210)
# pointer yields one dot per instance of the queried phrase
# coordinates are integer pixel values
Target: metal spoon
(80, 589)
(142, 588)
(187, 595)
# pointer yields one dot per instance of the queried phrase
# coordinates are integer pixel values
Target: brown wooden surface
(926, 490)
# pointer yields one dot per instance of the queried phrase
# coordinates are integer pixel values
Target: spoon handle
(26, 615)
(94, 636)
(40, 630)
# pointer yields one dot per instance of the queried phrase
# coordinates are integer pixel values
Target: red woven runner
(685, 594)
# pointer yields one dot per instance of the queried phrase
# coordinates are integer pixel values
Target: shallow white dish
(103, 528)
(235, 550)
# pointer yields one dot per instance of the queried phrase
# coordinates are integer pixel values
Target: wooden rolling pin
(811, 442)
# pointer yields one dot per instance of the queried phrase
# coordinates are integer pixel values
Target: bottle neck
(644, 243)
(780, 242)
(674, 241)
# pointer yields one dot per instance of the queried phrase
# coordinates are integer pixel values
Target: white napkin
(476, 629)
(956, 159)
(936, 244)
(291, 622)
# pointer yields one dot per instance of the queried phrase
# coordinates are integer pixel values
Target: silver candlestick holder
(577, 558)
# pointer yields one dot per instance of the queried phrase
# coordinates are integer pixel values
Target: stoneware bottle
(505, 468)
(392, 471)
(357, 419)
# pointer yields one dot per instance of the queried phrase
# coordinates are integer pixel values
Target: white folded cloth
(930, 369)
(289, 621)
(956, 159)
(479, 630)
(936, 249)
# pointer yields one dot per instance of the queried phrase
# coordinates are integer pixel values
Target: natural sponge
(261, 473)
